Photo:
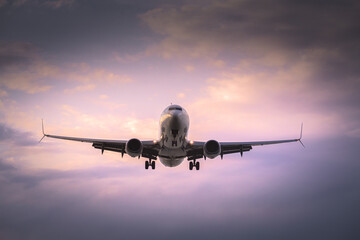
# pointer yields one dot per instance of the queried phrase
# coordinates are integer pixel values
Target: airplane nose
(175, 125)
(175, 122)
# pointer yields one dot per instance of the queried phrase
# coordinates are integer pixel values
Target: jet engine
(212, 149)
(134, 147)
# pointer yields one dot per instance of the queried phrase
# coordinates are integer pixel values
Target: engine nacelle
(134, 147)
(212, 149)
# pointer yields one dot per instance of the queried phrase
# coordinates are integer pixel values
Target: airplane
(173, 145)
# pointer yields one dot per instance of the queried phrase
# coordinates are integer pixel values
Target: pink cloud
(87, 74)
(269, 104)
(80, 88)
(32, 80)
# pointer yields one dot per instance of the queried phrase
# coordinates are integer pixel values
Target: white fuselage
(174, 126)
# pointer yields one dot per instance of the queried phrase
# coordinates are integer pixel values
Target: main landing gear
(149, 163)
(194, 164)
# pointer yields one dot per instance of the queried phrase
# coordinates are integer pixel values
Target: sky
(244, 71)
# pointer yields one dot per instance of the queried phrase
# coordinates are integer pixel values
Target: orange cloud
(180, 95)
(85, 74)
(3, 93)
(23, 70)
(189, 68)
(31, 80)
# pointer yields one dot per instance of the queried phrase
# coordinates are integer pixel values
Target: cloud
(83, 124)
(33, 80)
(259, 83)
(3, 93)
(48, 3)
(219, 63)
(246, 31)
(86, 74)
(189, 68)
(18, 3)
(245, 25)
(276, 62)
(22, 68)
(33, 177)
(130, 58)
(274, 103)
(300, 195)
(3, 3)
(16, 53)
(180, 95)
(81, 88)
(58, 3)
(5, 166)
(103, 96)
(14, 136)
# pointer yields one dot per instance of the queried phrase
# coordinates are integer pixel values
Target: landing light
(191, 142)
(154, 141)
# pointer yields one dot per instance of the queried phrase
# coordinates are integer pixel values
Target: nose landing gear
(194, 164)
(150, 163)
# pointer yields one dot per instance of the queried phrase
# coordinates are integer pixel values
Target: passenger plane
(173, 146)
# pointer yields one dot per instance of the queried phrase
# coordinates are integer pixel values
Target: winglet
(301, 135)
(43, 132)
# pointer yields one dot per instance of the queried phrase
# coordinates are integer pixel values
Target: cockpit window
(175, 108)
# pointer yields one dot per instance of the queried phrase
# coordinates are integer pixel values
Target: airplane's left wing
(196, 150)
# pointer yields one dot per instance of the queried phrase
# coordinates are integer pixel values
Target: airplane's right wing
(150, 149)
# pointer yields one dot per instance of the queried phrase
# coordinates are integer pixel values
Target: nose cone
(175, 122)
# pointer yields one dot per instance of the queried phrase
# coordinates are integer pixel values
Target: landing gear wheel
(197, 165)
(191, 165)
(153, 165)
(146, 164)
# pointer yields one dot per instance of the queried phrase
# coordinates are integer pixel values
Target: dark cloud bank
(77, 30)
(13, 136)
(325, 33)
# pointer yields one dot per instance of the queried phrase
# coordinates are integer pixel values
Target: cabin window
(176, 108)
